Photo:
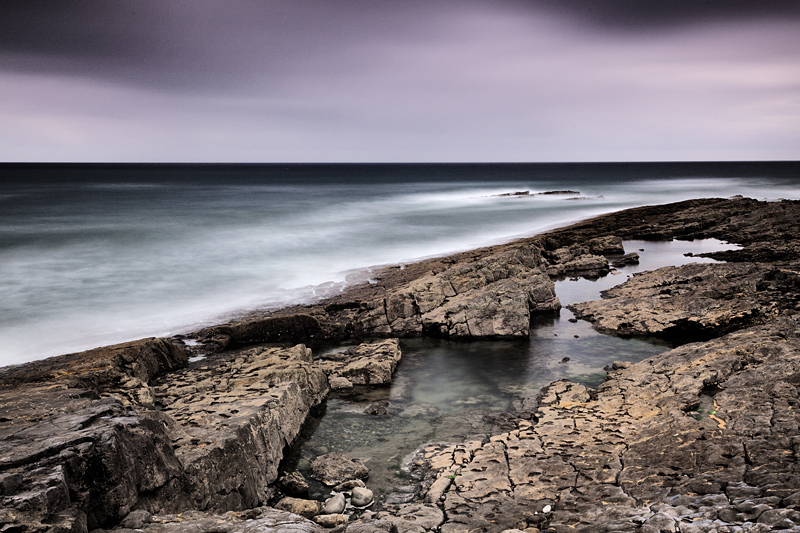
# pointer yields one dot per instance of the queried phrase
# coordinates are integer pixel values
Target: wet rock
(294, 484)
(362, 497)
(335, 504)
(348, 486)
(607, 245)
(627, 259)
(587, 265)
(291, 328)
(378, 408)
(230, 419)
(87, 457)
(630, 442)
(334, 468)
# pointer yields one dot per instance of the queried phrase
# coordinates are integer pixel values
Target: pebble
(362, 497)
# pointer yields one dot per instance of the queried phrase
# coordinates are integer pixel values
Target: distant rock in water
(518, 193)
(528, 193)
(558, 192)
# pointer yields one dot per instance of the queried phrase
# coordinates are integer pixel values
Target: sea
(95, 254)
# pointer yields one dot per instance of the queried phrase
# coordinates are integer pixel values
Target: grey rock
(135, 519)
(335, 504)
(627, 259)
(330, 520)
(362, 497)
(367, 364)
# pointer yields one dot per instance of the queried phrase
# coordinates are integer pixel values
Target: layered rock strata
(87, 438)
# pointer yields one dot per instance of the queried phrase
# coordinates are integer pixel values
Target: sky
(399, 81)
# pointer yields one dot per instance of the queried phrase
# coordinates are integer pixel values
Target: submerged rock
(334, 468)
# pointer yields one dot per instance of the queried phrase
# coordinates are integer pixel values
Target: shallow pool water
(442, 390)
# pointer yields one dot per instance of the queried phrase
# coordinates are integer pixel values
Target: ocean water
(98, 254)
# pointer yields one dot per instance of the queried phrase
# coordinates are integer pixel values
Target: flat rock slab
(693, 301)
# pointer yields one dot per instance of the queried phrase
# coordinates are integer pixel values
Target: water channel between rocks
(443, 390)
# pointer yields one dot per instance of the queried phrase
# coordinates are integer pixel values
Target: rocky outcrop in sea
(158, 436)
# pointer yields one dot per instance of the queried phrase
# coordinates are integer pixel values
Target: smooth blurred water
(92, 255)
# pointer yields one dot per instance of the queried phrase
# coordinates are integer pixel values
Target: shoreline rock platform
(703, 437)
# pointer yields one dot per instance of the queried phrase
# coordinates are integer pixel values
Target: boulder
(627, 259)
(366, 364)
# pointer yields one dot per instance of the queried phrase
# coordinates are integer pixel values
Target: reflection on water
(442, 390)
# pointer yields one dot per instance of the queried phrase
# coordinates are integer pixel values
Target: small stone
(564, 360)
(547, 509)
(377, 408)
(334, 504)
(362, 497)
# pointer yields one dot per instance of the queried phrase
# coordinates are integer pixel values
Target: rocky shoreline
(703, 437)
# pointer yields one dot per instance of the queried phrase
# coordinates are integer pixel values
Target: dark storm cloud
(643, 15)
(184, 44)
(406, 80)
